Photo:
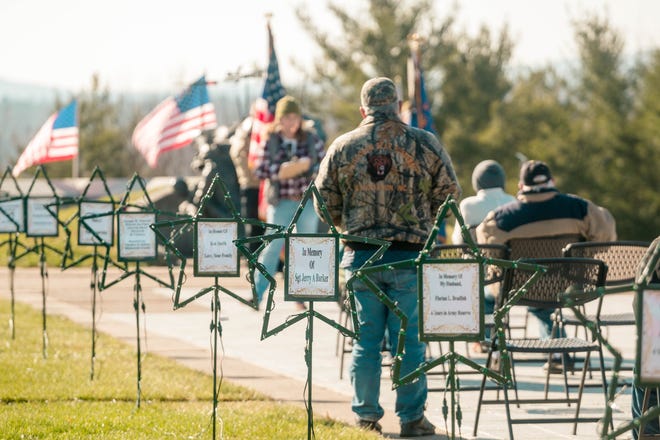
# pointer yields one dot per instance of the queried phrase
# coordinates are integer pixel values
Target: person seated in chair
(488, 180)
(541, 210)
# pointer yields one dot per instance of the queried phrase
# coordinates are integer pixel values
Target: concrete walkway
(276, 365)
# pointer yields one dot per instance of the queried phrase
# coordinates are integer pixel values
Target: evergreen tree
(103, 140)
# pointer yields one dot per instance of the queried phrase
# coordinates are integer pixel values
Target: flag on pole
(56, 140)
(175, 122)
(420, 107)
(264, 107)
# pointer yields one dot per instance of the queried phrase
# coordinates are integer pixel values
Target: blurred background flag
(264, 107)
(56, 140)
(420, 107)
(175, 122)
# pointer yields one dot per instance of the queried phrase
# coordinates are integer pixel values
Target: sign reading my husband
(451, 299)
(311, 269)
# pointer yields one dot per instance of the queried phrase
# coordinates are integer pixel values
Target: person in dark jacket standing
(386, 180)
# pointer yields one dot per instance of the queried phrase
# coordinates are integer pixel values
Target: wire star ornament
(311, 273)
(136, 243)
(214, 255)
(426, 265)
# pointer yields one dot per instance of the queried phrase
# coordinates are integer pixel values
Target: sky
(161, 45)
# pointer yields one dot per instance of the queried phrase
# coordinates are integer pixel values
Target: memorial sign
(39, 220)
(452, 298)
(214, 251)
(136, 240)
(311, 272)
(12, 213)
(96, 223)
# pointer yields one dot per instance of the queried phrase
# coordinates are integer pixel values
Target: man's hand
(294, 168)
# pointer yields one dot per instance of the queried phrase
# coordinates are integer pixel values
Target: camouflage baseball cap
(378, 92)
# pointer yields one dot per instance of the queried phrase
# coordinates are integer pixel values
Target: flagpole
(75, 167)
(415, 42)
(75, 164)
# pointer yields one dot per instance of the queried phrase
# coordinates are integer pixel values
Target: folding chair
(622, 259)
(538, 247)
(562, 275)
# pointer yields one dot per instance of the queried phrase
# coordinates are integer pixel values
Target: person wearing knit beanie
(488, 174)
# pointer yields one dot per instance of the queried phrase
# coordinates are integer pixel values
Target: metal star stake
(215, 255)
(12, 223)
(136, 243)
(648, 322)
(447, 278)
(95, 220)
(41, 221)
(310, 274)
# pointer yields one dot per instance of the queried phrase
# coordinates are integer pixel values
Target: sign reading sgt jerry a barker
(311, 272)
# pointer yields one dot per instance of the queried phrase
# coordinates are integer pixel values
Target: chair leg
(585, 367)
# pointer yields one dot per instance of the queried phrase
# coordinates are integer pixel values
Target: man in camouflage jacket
(386, 180)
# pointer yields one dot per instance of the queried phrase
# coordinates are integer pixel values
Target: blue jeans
(374, 318)
(282, 214)
(545, 322)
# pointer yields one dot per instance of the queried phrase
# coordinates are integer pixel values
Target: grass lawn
(54, 398)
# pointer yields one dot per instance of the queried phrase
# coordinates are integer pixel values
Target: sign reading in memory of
(649, 339)
(99, 218)
(136, 240)
(11, 214)
(311, 270)
(451, 301)
(215, 252)
(39, 220)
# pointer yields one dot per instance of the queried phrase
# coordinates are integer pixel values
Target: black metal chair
(562, 275)
(538, 247)
(622, 259)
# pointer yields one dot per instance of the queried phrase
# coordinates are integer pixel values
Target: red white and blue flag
(264, 107)
(56, 140)
(420, 107)
(175, 122)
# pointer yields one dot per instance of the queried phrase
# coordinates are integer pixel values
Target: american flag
(175, 122)
(420, 108)
(264, 107)
(56, 140)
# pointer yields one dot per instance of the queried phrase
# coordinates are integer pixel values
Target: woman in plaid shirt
(289, 164)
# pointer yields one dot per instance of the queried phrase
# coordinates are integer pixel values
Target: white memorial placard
(136, 240)
(13, 210)
(97, 217)
(451, 301)
(39, 221)
(649, 356)
(311, 273)
(215, 252)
